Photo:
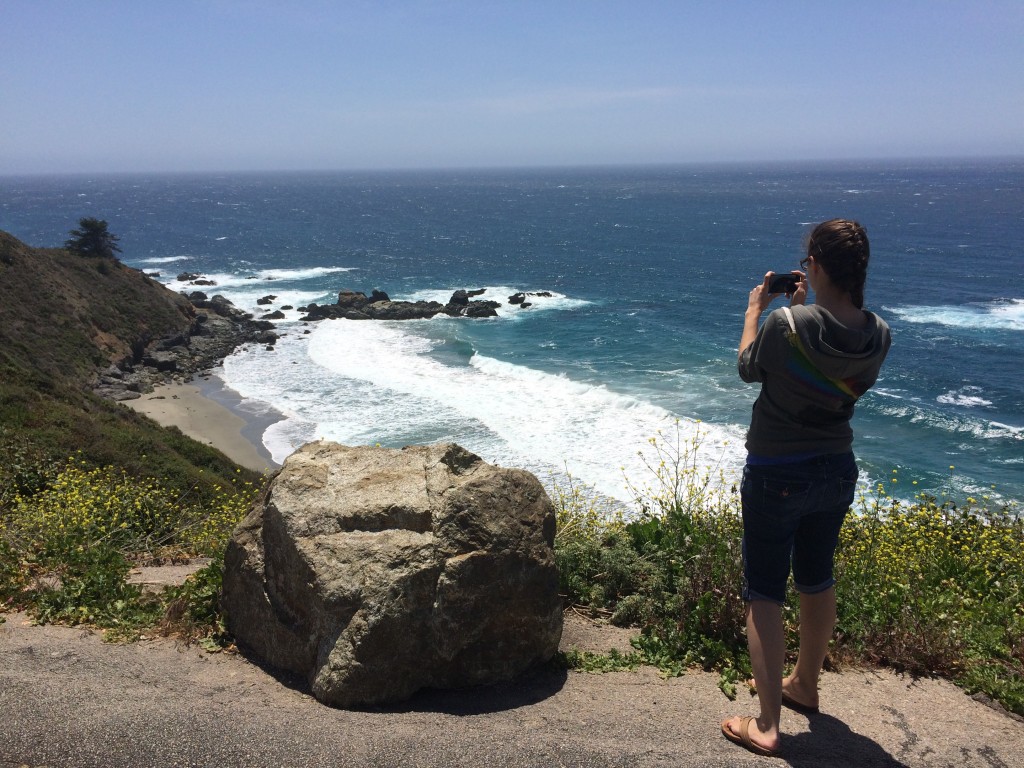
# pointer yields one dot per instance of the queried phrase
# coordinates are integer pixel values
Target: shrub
(924, 586)
(935, 587)
(193, 610)
(67, 549)
(673, 568)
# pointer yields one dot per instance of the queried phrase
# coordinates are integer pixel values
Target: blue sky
(143, 85)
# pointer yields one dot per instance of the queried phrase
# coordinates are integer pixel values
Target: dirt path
(71, 700)
(68, 699)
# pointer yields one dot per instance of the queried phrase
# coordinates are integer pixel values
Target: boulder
(375, 572)
(164, 360)
(476, 309)
(349, 298)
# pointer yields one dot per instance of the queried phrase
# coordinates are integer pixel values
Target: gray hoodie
(810, 380)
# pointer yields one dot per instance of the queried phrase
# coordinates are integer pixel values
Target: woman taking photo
(813, 361)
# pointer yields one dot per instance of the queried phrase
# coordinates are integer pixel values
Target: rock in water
(375, 572)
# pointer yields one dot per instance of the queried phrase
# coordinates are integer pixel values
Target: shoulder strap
(789, 317)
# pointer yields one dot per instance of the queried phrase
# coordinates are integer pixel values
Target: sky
(98, 86)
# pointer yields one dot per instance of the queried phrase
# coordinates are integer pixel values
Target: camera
(783, 283)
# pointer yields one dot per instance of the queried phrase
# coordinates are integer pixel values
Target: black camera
(783, 283)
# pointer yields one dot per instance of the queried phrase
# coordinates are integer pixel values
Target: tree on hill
(92, 239)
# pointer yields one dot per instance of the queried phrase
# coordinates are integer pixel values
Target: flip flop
(787, 701)
(796, 706)
(743, 738)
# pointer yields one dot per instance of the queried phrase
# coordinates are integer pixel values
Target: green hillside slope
(62, 318)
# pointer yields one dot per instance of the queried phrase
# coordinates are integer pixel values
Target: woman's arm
(757, 302)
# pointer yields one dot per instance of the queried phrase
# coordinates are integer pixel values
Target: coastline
(206, 410)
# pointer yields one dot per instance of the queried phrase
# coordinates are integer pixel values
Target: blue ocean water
(648, 270)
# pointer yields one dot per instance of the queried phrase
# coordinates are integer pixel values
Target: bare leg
(817, 623)
(767, 641)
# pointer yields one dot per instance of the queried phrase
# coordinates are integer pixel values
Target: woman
(813, 362)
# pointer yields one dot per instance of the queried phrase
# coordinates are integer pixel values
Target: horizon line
(879, 159)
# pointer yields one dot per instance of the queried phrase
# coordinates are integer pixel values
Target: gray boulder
(375, 572)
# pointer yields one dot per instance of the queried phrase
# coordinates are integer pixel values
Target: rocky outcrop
(354, 305)
(217, 329)
(520, 298)
(375, 572)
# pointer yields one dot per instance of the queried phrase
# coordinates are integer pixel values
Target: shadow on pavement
(531, 687)
(831, 742)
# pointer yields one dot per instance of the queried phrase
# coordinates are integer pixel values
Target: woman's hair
(841, 248)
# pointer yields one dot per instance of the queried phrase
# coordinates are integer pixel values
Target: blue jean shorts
(792, 514)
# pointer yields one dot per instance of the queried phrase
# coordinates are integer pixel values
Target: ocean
(648, 271)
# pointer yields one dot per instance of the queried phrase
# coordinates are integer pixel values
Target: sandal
(796, 706)
(788, 701)
(743, 738)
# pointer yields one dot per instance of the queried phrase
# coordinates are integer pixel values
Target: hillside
(63, 318)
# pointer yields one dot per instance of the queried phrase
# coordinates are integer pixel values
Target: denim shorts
(792, 514)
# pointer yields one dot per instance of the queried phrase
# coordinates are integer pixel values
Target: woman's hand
(800, 294)
(759, 298)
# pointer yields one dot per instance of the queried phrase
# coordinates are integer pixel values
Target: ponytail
(841, 248)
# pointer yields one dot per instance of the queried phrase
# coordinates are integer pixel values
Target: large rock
(374, 572)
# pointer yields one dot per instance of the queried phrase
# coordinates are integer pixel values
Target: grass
(927, 586)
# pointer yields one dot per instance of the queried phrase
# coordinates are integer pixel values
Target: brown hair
(841, 248)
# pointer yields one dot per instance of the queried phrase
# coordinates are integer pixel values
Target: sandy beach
(207, 411)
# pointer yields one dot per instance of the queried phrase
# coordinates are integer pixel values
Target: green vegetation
(60, 321)
(62, 318)
(935, 588)
(71, 529)
(67, 548)
(928, 587)
(93, 239)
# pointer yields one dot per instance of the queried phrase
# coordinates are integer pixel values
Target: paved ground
(68, 699)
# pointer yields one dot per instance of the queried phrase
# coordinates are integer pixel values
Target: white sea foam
(966, 397)
(953, 423)
(996, 315)
(377, 382)
(161, 260)
(263, 276)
